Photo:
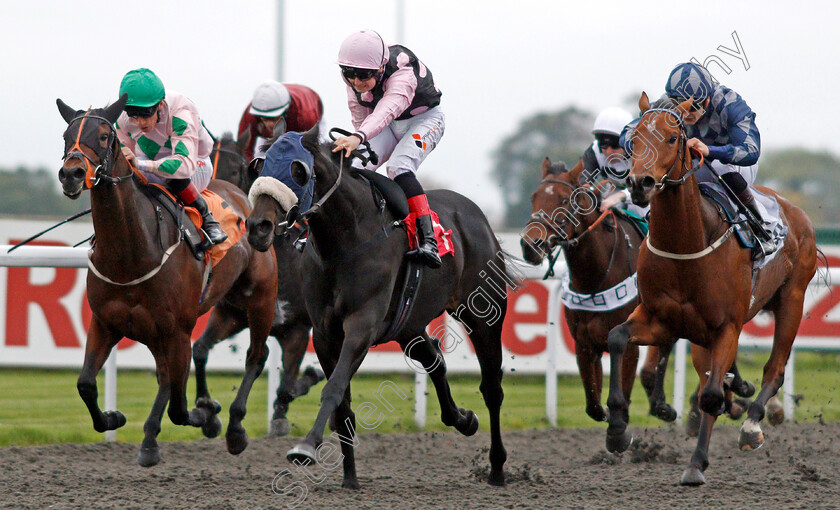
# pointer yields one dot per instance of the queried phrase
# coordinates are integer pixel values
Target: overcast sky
(497, 62)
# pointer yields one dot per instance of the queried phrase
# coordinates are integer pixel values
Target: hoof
(351, 484)
(776, 416)
(469, 425)
(751, 437)
(597, 413)
(313, 375)
(664, 412)
(497, 478)
(149, 457)
(114, 420)
(212, 427)
(617, 443)
(279, 427)
(237, 441)
(212, 406)
(303, 453)
(738, 408)
(692, 423)
(745, 390)
(692, 477)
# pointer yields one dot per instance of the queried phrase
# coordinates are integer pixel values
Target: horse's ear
(67, 113)
(310, 138)
(685, 107)
(244, 139)
(546, 167)
(644, 103)
(112, 113)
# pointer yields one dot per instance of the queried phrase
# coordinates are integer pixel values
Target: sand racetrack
(798, 467)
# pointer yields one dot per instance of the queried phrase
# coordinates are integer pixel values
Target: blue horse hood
(278, 165)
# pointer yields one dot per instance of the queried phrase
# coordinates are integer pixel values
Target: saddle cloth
(231, 223)
(443, 237)
(770, 215)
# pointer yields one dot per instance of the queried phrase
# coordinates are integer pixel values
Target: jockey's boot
(427, 249)
(192, 198)
(764, 240)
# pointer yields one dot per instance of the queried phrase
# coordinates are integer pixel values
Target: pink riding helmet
(364, 49)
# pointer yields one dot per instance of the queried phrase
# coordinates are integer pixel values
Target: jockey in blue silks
(721, 126)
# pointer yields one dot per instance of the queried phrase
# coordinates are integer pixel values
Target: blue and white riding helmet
(276, 178)
(690, 80)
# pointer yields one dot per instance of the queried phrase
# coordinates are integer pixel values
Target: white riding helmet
(611, 121)
(271, 99)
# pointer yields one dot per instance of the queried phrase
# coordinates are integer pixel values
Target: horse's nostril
(648, 181)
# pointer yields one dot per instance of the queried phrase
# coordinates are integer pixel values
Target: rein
(664, 181)
(218, 149)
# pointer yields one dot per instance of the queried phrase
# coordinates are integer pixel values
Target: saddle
(231, 223)
(639, 224)
(729, 213)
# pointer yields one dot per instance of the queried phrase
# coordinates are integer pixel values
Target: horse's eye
(673, 139)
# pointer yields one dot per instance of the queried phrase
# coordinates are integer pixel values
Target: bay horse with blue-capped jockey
(353, 270)
(146, 284)
(696, 282)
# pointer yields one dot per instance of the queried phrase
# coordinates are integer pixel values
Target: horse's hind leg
(420, 349)
(259, 320)
(225, 321)
(712, 397)
(99, 343)
(345, 428)
(788, 314)
(486, 337)
(149, 451)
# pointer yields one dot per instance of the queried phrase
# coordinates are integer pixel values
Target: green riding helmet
(143, 87)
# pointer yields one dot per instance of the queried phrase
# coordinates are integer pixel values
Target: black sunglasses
(142, 112)
(354, 72)
(696, 104)
(607, 141)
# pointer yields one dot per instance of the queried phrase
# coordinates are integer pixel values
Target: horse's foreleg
(293, 341)
(357, 340)
(629, 362)
(259, 321)
(618, 439)
(592, 377)
(99, 343)
(659, 407)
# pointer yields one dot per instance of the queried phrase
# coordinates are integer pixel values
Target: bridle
(542, 218)
(95, 174)
(665, 181)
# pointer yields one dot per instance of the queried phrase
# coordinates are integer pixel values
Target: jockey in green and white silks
(162, 136)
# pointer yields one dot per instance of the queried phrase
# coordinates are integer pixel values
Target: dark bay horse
(291, 323)
(352, 274)
(700, 284)
(601, 252)
(146, 285)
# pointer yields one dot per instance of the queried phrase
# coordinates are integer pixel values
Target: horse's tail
(823, 269)
(514, 275)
